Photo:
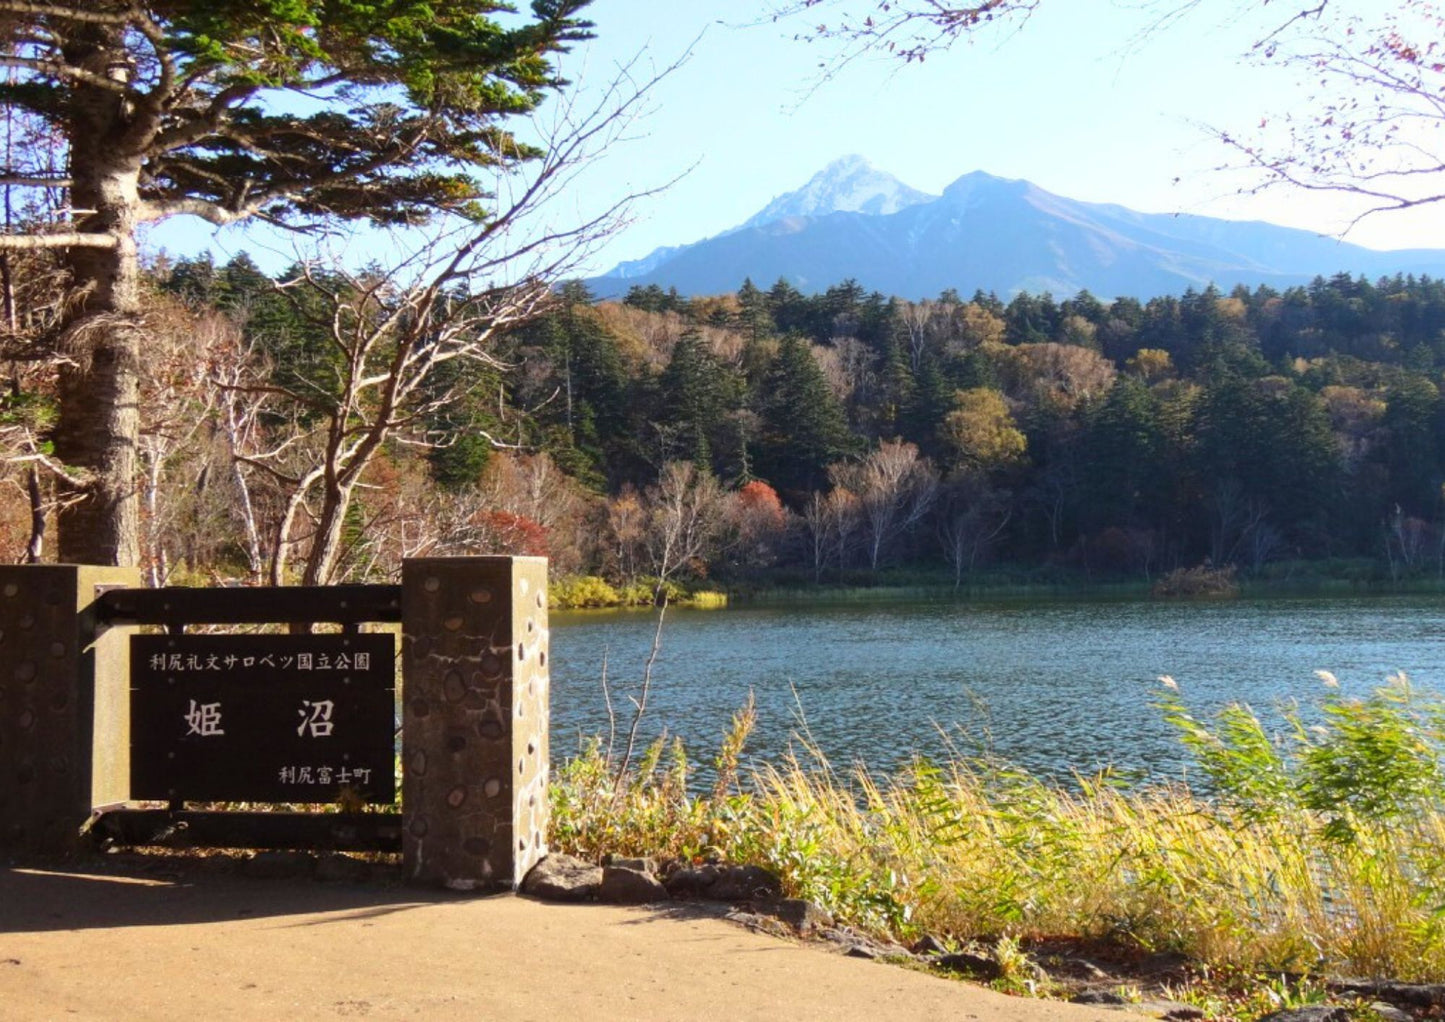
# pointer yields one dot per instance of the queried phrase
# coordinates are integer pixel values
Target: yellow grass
(973, 851)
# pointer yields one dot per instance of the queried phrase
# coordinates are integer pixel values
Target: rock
(561, 877)
(1313, 1013)
(622, 885)
(338, 868)
(1389, 1013)
(1416, 995)
(803, 916)
(928, 945)
(760, 923)
(1162, 963)
(976, 966)
(640, 865)
(1176, 1011)
(856, 944)
(724, 882)
(277, 865)
(1099, 997)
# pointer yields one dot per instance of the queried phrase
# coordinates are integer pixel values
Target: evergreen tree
(182, 108)
(1413, 428)
(755, 317)
(803, 428)
(1127, 456)
(696, 392)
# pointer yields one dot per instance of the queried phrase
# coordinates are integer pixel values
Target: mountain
(1000, 235)
(628, 269)
(847, 185)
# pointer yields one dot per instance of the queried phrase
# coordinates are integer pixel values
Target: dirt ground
(159, 943)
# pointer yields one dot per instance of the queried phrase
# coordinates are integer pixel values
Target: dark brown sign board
(262, 718)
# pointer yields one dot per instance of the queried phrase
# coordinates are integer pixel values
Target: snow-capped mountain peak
(849, 184)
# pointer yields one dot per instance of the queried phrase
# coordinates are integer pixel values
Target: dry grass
(975, 850)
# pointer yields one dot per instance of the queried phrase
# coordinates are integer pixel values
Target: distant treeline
(850, 431)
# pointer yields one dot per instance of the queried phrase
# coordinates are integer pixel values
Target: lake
(1055, 686)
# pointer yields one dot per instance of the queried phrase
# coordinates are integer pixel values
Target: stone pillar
(64, 706)
(474, 715)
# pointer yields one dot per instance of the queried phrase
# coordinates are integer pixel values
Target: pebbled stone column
(64, 706)
(474, 719)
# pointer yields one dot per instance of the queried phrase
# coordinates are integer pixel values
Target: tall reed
(1319, 851)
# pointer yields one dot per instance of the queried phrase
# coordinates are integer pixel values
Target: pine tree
(694, 390)
(181, 108)
(803, 427)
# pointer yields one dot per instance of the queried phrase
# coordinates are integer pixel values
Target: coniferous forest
(772, 436)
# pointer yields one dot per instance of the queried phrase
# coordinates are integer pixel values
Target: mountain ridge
(1004, 235)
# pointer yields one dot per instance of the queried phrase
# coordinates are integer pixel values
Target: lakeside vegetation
(1320, 852)
(1340, 577)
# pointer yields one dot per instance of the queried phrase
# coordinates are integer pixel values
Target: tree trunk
(99, 419)
(326, 543)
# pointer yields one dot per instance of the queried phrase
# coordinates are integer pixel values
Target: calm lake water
(1053, 686)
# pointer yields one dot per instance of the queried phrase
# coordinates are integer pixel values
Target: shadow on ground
(159, 891)
(137, 891)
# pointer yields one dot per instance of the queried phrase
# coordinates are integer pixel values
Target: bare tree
(178, 457)
(971, 517)
(1233, 518)
(686, 513)
(817, 523)
(912, 30)
(625, 522)
(388, 340)
(1407, 541)
(918, 320)
(907, 29)
(844, 520)
(895, 488)
(389, 332)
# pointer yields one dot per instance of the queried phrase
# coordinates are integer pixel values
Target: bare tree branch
(68, 239)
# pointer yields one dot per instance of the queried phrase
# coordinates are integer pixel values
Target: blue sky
(1074, 101)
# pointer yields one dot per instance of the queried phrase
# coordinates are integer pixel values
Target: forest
(772, 437)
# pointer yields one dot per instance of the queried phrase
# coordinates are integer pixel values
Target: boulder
(1415, 995)
(561, 877)
(1108, 997)
(803, 916)
(622, 885)
(974, 966)
(724, 882)
(1174, 1011)
(1313, 1013)
(641, 865)
(928, 944)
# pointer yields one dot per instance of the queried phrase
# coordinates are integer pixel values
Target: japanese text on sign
(182, 663)
(280, 718)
